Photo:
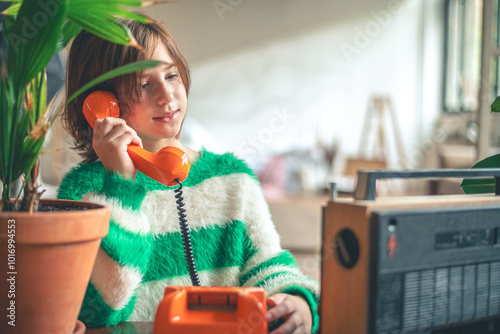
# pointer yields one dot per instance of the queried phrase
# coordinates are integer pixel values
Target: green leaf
(111, 7)
(495, 106)
(125, 69)
(99, 18)
(69, 30)
(13, 9)
(33, 38)
(129, 3)
(7, 25)
(105, 29)
(39, 89)
(486, 185)
(5, 118)
(29, 154)
(478, 186)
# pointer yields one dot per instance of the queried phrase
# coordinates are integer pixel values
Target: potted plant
(46, 257)
(479, 186)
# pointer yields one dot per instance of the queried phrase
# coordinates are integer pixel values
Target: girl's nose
(165, 94)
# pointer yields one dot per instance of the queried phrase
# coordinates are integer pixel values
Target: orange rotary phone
(214, 310)
(195, 309)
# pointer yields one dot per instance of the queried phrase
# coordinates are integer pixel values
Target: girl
(234, 240)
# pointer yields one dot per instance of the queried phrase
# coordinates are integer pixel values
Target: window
(495, 75)
(463, 54)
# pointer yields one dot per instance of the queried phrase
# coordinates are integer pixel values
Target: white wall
(319, 78)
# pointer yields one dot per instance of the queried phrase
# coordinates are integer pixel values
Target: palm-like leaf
(125, 69)
(13, 9)
(6, 120)
(98, 18)
(33, 38)
(35, 30)
(69, 31)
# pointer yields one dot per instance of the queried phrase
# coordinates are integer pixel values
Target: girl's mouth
(168, 117)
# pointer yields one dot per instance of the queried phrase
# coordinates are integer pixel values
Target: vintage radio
(427, 264)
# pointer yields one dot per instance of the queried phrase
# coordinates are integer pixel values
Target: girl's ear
(126, 99)
(125, 105)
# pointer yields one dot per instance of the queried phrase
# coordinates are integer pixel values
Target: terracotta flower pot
(47, 259)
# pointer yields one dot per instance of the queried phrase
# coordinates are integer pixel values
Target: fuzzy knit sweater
(234, 240)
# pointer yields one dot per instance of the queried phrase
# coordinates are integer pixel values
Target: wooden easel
(378, 106)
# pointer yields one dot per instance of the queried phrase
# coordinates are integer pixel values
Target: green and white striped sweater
(234, 240)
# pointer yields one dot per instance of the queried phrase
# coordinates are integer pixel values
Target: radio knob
(346, 247)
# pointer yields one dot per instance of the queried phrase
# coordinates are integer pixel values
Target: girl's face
(157, 116)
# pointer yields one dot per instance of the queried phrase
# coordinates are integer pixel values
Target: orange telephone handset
(164, 166)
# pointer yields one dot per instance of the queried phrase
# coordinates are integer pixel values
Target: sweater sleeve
(124, 253)
(267, 265)
(280, 274)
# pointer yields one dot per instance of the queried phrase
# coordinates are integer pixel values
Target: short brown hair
(91, 56)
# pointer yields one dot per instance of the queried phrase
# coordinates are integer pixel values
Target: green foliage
(495, 106)
(36, 30)
(486, 185)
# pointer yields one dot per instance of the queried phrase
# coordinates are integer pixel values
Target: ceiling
(205, 29)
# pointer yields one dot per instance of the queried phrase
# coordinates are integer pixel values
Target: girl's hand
(294, 310)
(111, 138)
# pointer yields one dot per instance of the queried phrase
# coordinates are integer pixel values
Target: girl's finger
(279, 311)
(292, 325)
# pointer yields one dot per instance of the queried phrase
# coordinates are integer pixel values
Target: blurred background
(308, 92)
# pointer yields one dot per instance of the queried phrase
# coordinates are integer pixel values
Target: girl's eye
(144, 85)
(171, 76)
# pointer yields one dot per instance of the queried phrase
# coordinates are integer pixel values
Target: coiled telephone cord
(186, 237)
